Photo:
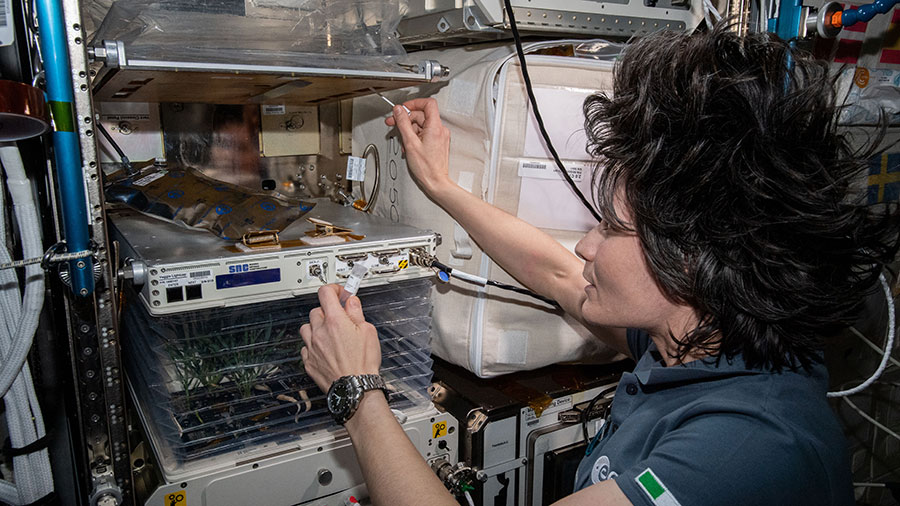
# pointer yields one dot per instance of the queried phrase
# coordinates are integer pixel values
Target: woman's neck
(680, 325)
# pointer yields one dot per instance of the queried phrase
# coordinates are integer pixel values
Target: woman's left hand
(339, 341)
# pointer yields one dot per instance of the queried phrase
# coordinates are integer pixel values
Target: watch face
(340, 397)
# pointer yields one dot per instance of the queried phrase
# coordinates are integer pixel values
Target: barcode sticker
(356, 168)
(7, 32)
(144, 181)
(274, 110)
(176, 279)
(548, 170)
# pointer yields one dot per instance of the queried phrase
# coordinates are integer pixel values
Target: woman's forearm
(529, 254)
(395, 473)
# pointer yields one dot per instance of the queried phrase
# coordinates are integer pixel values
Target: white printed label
(7, 31)
(274, 110)
(176, 279)
(356, 168)
(548, 170)
(144, 181)
(124, 117)
(124, 111)
(529, 417)
(401, 261)
(357, 274)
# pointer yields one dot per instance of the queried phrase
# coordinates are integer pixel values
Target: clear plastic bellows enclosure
(222, 380)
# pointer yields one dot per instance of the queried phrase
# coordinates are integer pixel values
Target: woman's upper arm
(605, 493)
(614, 337)
(569, 293)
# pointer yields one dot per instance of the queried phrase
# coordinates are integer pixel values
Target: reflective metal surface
(222, 141)
(23, 112)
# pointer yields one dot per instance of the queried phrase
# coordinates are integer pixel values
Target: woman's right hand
(426, 142)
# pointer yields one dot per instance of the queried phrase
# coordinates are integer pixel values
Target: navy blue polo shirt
(707, 433)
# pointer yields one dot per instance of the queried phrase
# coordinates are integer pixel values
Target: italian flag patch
(654, 488)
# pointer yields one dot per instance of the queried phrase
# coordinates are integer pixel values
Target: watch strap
(361, 383)
(371, 382)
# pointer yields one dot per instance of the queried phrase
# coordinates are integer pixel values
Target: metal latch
(433, 70)
(111, 53)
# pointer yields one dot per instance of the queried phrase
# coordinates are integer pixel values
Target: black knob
(325, 477)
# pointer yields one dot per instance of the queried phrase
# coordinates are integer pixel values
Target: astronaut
(733, 242)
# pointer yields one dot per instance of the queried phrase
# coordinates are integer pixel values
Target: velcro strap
(39, 444)
(50, 499)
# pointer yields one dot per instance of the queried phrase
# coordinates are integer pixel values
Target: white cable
(716, 13)
(469, 498)
(17, 416)
(871, 420)
(712, 10)
(33, 476)
(465, 276)
(706, 16)
(8, 493)
(889, 345)
(26, 214)
(767, 7)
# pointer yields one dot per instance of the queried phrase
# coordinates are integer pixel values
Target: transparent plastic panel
(359, 34)
(221, 380)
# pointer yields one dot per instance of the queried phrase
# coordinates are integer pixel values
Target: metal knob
(324, 477)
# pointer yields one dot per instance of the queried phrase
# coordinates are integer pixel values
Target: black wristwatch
(345, 394)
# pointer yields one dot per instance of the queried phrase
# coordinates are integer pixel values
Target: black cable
(537, 114)
(503, 286)
(590, 407)
(126, 163)
(524, 291)
(441, 267)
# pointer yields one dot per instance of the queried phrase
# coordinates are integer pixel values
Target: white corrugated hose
(888, 345)
(33, 478)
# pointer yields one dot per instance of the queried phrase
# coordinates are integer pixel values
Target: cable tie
(41, 443)
(47, 500)
(50, 256)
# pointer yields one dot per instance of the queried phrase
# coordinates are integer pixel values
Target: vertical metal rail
(93, 325)
(65, 142)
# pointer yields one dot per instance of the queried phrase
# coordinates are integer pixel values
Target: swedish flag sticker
(884, 178)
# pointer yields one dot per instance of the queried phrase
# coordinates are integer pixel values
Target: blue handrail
(67, 153)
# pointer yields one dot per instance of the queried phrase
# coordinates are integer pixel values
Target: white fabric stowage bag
(497, 154)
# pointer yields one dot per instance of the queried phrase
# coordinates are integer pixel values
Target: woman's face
(621, 292)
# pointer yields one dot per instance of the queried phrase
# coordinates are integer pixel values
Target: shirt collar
(650, 371)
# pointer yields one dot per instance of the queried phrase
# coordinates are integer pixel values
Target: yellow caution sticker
(176, 498)
(439, 429)
(403, 264)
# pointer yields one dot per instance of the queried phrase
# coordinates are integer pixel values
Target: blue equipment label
(241, 276)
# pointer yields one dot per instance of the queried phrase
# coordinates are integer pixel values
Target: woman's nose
(588, 244)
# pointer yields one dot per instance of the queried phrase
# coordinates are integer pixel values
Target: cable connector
(421, 258)
(458, 479)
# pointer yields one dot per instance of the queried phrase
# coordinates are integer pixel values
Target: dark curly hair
(746, 197)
